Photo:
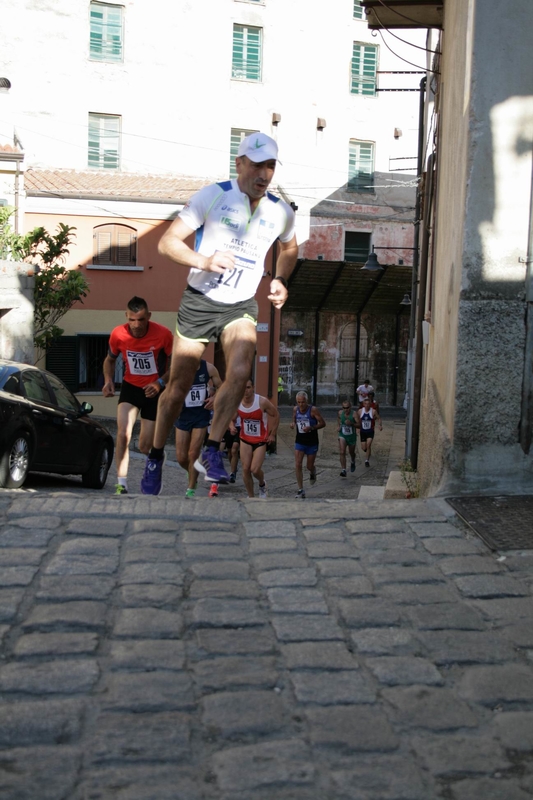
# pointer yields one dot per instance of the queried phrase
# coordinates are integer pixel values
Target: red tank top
(253, 422)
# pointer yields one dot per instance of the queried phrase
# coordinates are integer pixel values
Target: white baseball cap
(258, 147)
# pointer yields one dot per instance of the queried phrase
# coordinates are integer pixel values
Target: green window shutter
(106, 32)
(357, 10)
(62, 360)
(361, 167)
(364, 69)
(237, 135)
(246, 60)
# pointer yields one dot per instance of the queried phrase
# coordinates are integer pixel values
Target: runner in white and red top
(259, 423)
(140, 343)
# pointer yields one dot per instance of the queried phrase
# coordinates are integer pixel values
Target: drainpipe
(420, 312)
(413, 411)
(526, 416)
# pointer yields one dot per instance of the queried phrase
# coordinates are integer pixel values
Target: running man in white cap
(236, 222)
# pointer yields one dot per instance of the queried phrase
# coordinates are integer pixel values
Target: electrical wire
(411, 44)
(424, 69)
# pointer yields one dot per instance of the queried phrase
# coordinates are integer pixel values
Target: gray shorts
(201, 319)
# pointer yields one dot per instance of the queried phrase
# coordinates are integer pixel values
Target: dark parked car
(43, 428)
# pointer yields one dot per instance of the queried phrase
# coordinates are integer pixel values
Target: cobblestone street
(163, 649)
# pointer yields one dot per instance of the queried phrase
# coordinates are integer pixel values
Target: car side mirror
(86, 408)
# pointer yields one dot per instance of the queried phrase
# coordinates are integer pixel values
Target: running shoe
(120, 489)
(343, 473)
(312, 478)
(213, 491)
(152, 479)
(300, 494)
(367, 463)
(190, 492)
(210, 463)
(232, 477)
(352, 466)
(263, 493)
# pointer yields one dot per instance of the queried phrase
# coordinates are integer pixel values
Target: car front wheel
(96, 475)
(15, 462)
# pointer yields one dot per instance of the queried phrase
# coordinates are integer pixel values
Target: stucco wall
(476, 353)
(16, 311)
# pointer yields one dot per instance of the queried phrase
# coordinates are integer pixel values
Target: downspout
(414, 407)
(420, 312)
(526, 416)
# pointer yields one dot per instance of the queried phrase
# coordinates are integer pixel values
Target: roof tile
(100, 183)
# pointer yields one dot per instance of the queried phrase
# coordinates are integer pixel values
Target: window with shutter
(357, 10)
(104, 141)
(106, 32)
(115, 245)
(247, 46)
(361, 167)
(364, 69)
(62, 359)
(237, 135)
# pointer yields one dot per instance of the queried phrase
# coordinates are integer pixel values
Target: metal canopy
(404, 13)
(345, 287)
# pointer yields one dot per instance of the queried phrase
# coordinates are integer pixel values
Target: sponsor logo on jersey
(229, 209)
(227, 222)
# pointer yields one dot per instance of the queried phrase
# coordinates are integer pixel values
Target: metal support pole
(396, 361)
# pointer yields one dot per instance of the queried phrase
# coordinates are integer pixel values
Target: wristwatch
(161, 382)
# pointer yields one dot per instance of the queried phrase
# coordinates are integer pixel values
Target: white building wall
(178, 102)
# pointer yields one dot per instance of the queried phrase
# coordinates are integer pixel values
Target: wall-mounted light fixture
(406, 300)
(372, 263)
(320, 124)
(397, 133)
(5, 84)
(276, 118)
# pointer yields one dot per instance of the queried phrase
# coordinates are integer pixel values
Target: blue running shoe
(152, 480)
(211, 464)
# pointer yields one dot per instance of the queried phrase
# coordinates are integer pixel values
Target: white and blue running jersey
(221, 216)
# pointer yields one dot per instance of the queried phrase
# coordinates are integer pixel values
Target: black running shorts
(135, 396)
(201, 319)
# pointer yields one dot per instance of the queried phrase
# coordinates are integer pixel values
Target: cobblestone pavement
(161, 649)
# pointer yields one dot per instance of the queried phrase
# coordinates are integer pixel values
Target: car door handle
(37, 413)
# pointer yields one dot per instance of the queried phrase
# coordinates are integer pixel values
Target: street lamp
(372, 263)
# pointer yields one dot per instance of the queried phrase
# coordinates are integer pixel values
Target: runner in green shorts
(347, 425)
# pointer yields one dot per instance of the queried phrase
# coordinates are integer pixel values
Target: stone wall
(16, 311)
